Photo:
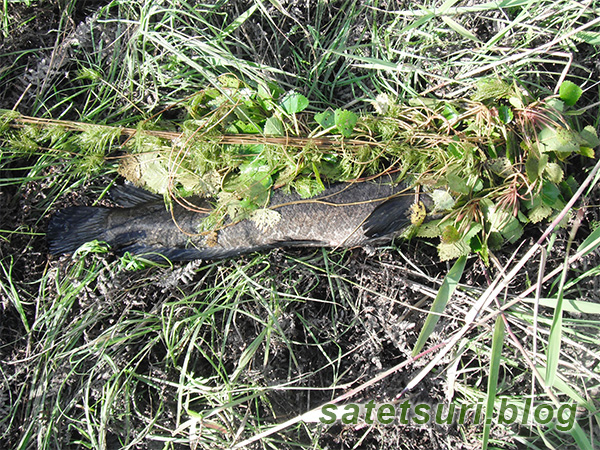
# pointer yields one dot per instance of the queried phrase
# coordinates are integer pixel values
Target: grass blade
(439, 304)
(497, 344)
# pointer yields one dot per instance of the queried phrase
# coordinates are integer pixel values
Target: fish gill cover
(492, 162)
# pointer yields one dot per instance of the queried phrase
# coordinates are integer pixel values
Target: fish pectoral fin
(389, 218)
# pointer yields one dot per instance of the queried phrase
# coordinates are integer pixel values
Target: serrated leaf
(294, 103)
(539, 213)
(429, 229)
(442, 200)
(558, 140)
(447, 252)
(345, 121)
(491, 88)
(554, 172)
(326, 118)
(230, 81)
(450, 235)
(501, 167)
(569, 92)
(274, 127)
(587, 152)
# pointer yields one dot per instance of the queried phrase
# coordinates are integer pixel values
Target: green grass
(104, 352)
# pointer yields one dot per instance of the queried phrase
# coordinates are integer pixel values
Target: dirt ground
(391, 327)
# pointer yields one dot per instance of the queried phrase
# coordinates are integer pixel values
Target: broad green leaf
(274, 127)
(457, 183)
(495, 356)
(501, 167)
(589, 136)
(550, 193)
(345, 121)
(229, 81)
(539, 213)
(558, 140)
(505, 114)
(569, 92)
(326, 118)
(450, 235)
(554, 172)
(307, 187)
(442, 200)
(492, 88)
(450, 112)
(294, 102)
(439, 304)
(451, 250)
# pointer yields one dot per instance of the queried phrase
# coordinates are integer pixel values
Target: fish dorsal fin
(129, 196)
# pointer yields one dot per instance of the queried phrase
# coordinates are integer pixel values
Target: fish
(344, 215)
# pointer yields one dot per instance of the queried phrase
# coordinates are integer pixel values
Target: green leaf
(345, 121)
(307, 187)
(539, 213)
(590, 37)
(442, 200)
(591, 242)
(550, 193)
(492, 387)
(558, 140)
(294, 102)
(439, 304)
(274, 127)
(569, 92)
(589, 136)
(457, 183)
(554, 172)
(326, 118)
(449, 249)
(512, 230)
(450, 112)
(505, 114)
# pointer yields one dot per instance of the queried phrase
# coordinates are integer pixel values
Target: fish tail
(70, 228)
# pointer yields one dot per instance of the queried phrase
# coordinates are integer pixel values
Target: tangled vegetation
(492, 163)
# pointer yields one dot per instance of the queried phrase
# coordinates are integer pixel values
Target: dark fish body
(344, 215)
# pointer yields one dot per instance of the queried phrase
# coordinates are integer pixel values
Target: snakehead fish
(344, 215)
